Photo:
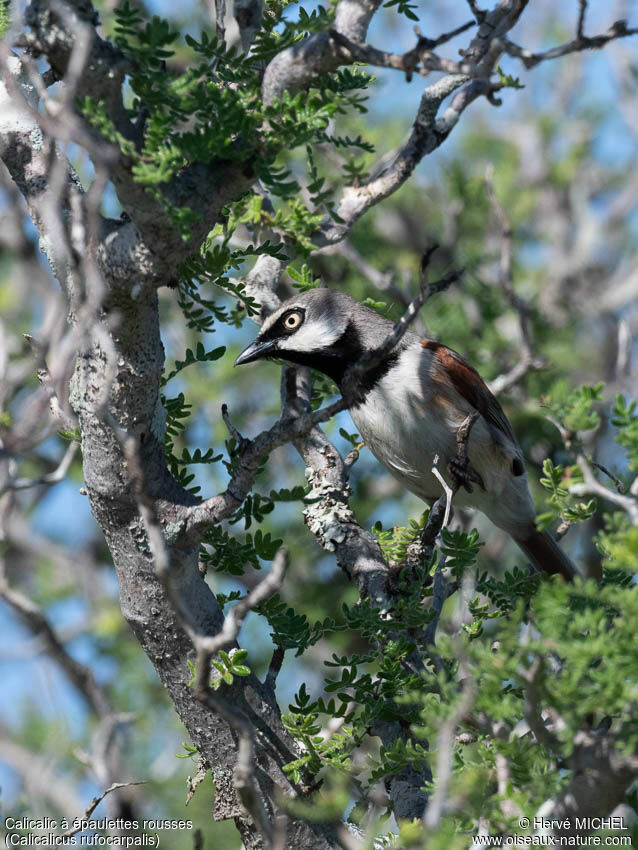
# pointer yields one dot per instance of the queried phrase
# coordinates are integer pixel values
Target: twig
(448, 495)
(438, 520)
(102, 745)
(440, 511)
(420, 59)
(245, 782)
(439, 596)
(620, 487)
(350, 459)
(242, 442)
(58, 474)
(619, 29)
(274, 668)
(192, 782)
(95, 802)
(383, 281)
(580, 26)
(592, 486)
(623, 355)
(207, 645)
(446, 36)
(509, 379)
(479, 14)
(428, 133)
(326, 413)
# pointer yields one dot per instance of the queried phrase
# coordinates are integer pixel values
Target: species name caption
(74, 832)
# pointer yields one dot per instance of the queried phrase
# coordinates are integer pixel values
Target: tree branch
(298, 65)
(619, 29)
(427, 134)
(420, 59)
(49, 478)
(591, 485)
(95, 802)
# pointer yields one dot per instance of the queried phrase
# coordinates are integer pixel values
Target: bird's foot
(464, 475)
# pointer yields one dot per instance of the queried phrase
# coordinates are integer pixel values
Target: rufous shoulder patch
(429, 343)
(457, 372)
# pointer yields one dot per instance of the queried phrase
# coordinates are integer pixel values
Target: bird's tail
(545, 553)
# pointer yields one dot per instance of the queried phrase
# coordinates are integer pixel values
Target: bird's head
(324, 329)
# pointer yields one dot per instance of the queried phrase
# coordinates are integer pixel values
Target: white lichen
(326, 517)
(172, 530)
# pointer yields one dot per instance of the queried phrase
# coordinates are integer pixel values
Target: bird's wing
(469, 384)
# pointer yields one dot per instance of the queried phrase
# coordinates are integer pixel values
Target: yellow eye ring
(292, 321)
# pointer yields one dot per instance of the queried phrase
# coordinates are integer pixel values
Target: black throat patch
(337, 359)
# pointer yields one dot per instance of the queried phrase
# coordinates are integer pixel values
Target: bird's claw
(464, 475)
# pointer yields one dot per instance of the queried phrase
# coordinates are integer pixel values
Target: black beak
(257, 349)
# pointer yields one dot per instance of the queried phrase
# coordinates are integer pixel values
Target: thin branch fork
(251, 452)
(420, 59)
(207, 646)
(619, 29)
(428, 133)
(49, 478)
(479, 14)
(95, 802)
(592, 485)
(582, 11)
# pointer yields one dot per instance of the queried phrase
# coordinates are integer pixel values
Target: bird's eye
(293, 320)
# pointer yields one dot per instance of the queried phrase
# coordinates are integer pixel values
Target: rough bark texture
(135, 406)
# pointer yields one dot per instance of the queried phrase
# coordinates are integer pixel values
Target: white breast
(407, 422)
(403, 427)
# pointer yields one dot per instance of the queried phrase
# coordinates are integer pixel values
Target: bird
(408, 410)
